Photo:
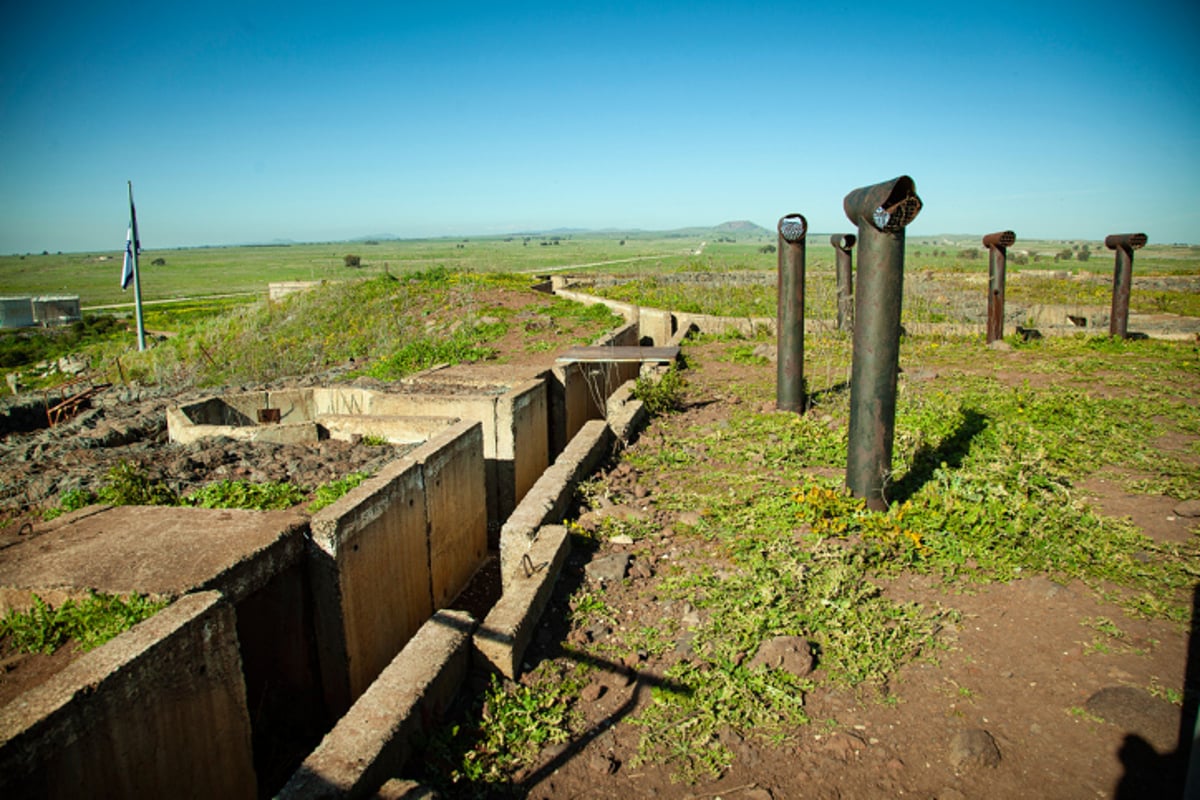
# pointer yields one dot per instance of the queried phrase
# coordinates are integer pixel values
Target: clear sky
(250, 122)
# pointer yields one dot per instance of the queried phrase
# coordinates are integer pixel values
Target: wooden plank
(619, 354)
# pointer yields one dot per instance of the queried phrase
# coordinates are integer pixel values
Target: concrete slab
(374, 739)
(159, 551)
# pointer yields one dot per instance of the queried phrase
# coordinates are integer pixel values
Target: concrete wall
(160, 711)
(56, 309)
(371, 565)
(16, 312)
(456, 502)
(370, 579)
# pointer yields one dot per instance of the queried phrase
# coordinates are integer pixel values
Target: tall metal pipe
(1124, 244)
(881, 213)
(997, 245)
(843, 243)
(789, 392)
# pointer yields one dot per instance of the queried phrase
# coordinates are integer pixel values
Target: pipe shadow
(818, 397)
(1175, 774)
(950, 451)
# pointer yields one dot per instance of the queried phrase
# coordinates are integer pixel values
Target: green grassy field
(216, 271)
(199, 272)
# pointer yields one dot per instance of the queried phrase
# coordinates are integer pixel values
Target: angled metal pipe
(843, 243)
(789, 392)
(997, 245)
(881, 213)
(1124, 244)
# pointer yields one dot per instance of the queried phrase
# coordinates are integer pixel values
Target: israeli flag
(127, 269)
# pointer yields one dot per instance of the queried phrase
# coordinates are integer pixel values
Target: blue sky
(250, 122)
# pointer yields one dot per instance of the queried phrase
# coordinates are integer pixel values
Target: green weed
(661, 395)
(91, 622)
(127, 484)
(506, 731)
(329, 493)
(243, 494)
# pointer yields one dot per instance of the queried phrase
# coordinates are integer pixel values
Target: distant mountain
(742, 226)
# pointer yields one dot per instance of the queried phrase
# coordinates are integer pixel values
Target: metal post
(843, 243)
(997, 245)
(1124, 244)
(789, 393)
(881, 213)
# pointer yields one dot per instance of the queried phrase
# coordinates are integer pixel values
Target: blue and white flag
(127, 269)
(133, 248)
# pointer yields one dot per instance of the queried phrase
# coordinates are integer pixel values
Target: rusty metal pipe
(997, 245)
(789, 392)
(1124, 244)
(881, 213)
(843, 243)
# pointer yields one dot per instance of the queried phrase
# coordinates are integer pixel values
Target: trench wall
(371, 571)
(514, 416)
(296, 630)
(160, 711)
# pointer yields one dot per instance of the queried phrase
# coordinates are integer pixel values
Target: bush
(661, 396)
(352, 260)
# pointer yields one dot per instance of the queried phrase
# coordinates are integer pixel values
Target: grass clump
(663, 395)
(511, 726)
(243, 494)
(91, 622)
(329, 493)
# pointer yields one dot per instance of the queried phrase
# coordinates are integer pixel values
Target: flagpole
(137, 280)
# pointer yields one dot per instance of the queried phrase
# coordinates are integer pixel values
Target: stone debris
(789, 653)
(973, 748)
(609, 569)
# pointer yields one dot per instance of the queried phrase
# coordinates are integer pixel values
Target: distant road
(594, 264)
(170, 300)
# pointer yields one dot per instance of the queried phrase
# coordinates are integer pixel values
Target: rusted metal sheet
(997, 245)
(843, 243)
(881, 213)
(789, 392)
(1124, 244)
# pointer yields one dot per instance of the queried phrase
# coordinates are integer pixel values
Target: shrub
(352, 260)
(661, 396)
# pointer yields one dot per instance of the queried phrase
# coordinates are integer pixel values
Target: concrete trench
(303, 653)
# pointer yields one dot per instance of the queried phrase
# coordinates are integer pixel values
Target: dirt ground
(1017, 706)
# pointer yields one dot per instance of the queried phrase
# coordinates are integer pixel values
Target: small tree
(352, 261)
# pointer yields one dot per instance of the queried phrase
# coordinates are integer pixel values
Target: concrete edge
(374, 739)
(626, 414)
(547, 500)
(501, 641)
